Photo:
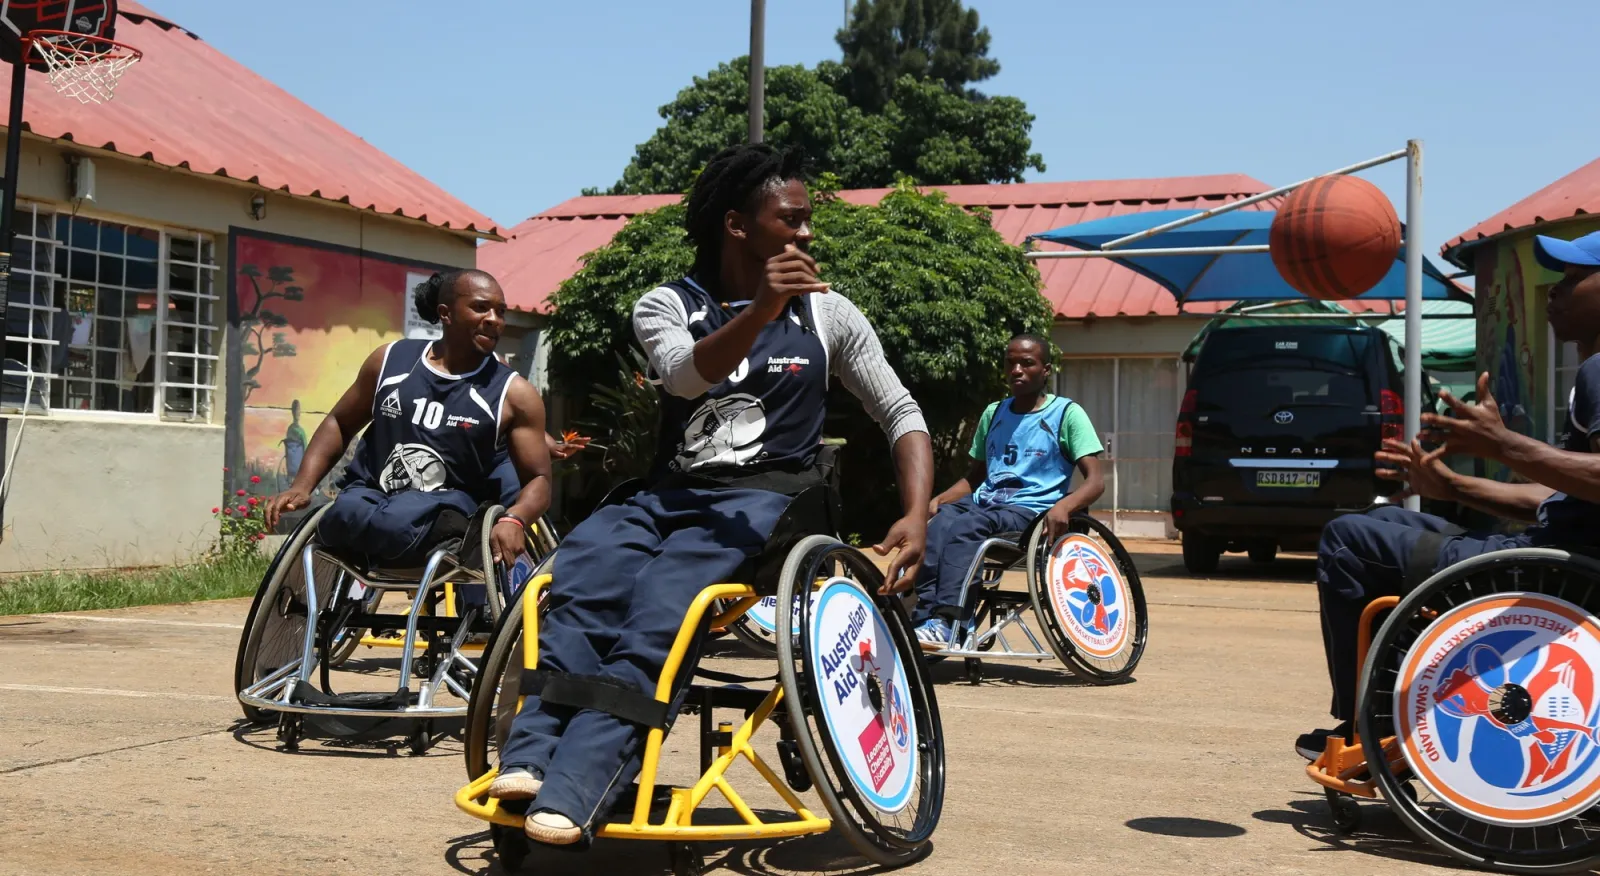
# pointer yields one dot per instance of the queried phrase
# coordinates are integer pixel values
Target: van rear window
(1346, 351)
(1261, 388)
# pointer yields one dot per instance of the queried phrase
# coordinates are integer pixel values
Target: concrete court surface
(121, 752)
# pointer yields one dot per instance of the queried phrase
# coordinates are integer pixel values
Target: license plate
(1309, 479)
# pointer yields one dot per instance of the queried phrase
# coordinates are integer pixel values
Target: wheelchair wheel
(1485, 678)
(493, 703)
(757, 627)
(859, 700)
(274, 629)
(1088, 600)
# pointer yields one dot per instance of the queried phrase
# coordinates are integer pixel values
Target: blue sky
(515, 105)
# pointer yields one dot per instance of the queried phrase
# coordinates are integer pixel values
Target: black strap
(598, 693)
(1425, 555)
(730, 677)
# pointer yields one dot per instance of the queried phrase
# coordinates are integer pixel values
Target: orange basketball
(1335, 237)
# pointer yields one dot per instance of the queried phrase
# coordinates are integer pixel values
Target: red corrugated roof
(548, 248)
(186, 105)
(1576, 194)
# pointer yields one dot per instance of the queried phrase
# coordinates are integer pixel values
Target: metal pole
(1140, 253)
(1413, 297)
(1234, 205)
(8, 200)
(758, 69)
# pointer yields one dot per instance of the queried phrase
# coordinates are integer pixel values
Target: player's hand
(908, 535)
(1473, 430)
(1423, 472)
(933, 506)
(507, 541)
(789, 273)
(291, 499)
(1056, 521)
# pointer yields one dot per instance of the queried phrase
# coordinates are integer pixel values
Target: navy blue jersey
(1567, 519)
(766, 416)
(431, 430)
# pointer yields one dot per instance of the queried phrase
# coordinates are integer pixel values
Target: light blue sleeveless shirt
(1027, 466)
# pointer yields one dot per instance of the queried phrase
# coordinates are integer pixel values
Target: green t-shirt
(1078, 437)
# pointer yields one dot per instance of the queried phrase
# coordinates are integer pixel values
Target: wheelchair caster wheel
(289, 730)
(1346, 812)
(510, 844)
(974, 670)
(794, 769)
(420, 739)
(686, 859)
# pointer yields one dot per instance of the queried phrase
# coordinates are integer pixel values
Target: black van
(1276, 434)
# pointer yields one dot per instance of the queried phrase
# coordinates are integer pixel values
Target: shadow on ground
(1381, 834)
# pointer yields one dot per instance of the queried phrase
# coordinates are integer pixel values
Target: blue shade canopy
(1230, 276)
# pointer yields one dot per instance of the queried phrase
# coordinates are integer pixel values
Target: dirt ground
(122, 751)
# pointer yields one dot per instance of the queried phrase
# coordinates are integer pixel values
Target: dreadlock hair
(440, 289)
(1032, 338)
(733, 180)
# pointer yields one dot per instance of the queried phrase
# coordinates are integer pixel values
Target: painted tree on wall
(255, 323)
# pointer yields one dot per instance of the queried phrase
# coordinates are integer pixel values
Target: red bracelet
(504, 517)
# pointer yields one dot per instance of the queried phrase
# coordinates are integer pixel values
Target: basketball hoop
(82, 66)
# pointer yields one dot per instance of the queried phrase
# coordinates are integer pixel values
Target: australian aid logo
(862, 687)
(1497, 709)
(1089, 595)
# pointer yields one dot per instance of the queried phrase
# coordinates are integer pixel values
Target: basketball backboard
(18, 18)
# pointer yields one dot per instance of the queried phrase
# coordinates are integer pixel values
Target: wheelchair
(855, 710)
(1084, 593)
(1477, 712)
(316, 606)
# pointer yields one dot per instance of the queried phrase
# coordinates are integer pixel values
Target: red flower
(227, 510)
(215, 510)
(253, 501)
(243, 510)
(239, 492)
(261, 536)
(224, 468)
(255, 479)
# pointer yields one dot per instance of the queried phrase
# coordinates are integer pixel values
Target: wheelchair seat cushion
(442, 526)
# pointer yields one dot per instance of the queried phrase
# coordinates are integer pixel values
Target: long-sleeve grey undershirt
(854, 355)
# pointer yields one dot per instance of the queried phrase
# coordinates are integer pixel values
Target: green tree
(942, 289)
(935, 40)
(927, 131)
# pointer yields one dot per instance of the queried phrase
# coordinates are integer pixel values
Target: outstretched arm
(530, 455)
(350, 414)
(1426, 475)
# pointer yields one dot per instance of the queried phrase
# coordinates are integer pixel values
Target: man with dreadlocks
(741, 351)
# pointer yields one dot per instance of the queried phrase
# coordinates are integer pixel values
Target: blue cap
(1555, 253)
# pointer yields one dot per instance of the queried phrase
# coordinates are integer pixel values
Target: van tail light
(1183, 440)
(1393, 409)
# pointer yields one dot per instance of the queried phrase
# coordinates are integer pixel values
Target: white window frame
(1558, 387)
(203, 395)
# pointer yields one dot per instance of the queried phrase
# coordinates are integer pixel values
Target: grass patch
(222, 578)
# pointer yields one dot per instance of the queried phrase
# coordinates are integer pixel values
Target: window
(109, 317)
(1563, 377)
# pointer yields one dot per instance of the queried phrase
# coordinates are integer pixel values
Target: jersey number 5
(1011, 454)
(429, 414)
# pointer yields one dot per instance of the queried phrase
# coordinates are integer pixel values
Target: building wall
(98, 494)
(1128, 376)
(1513, 335)
(94, 490)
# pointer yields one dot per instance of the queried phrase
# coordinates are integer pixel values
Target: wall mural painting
(303, 316)
(1513, 340)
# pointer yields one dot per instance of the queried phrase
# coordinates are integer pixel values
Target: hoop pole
(758, 68)
(8, 198)
(1140, 253)
(1413, 298)
(1253, 199)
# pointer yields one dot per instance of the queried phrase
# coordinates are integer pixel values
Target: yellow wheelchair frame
(677, 825)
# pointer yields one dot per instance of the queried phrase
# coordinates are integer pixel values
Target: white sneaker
(551, 828)
(515, 784)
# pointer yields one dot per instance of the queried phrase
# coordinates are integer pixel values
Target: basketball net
(82, 66)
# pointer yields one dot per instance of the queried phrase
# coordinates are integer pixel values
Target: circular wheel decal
(866, 706)
(1089, 596)
(1496, 709)
(764, 614)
